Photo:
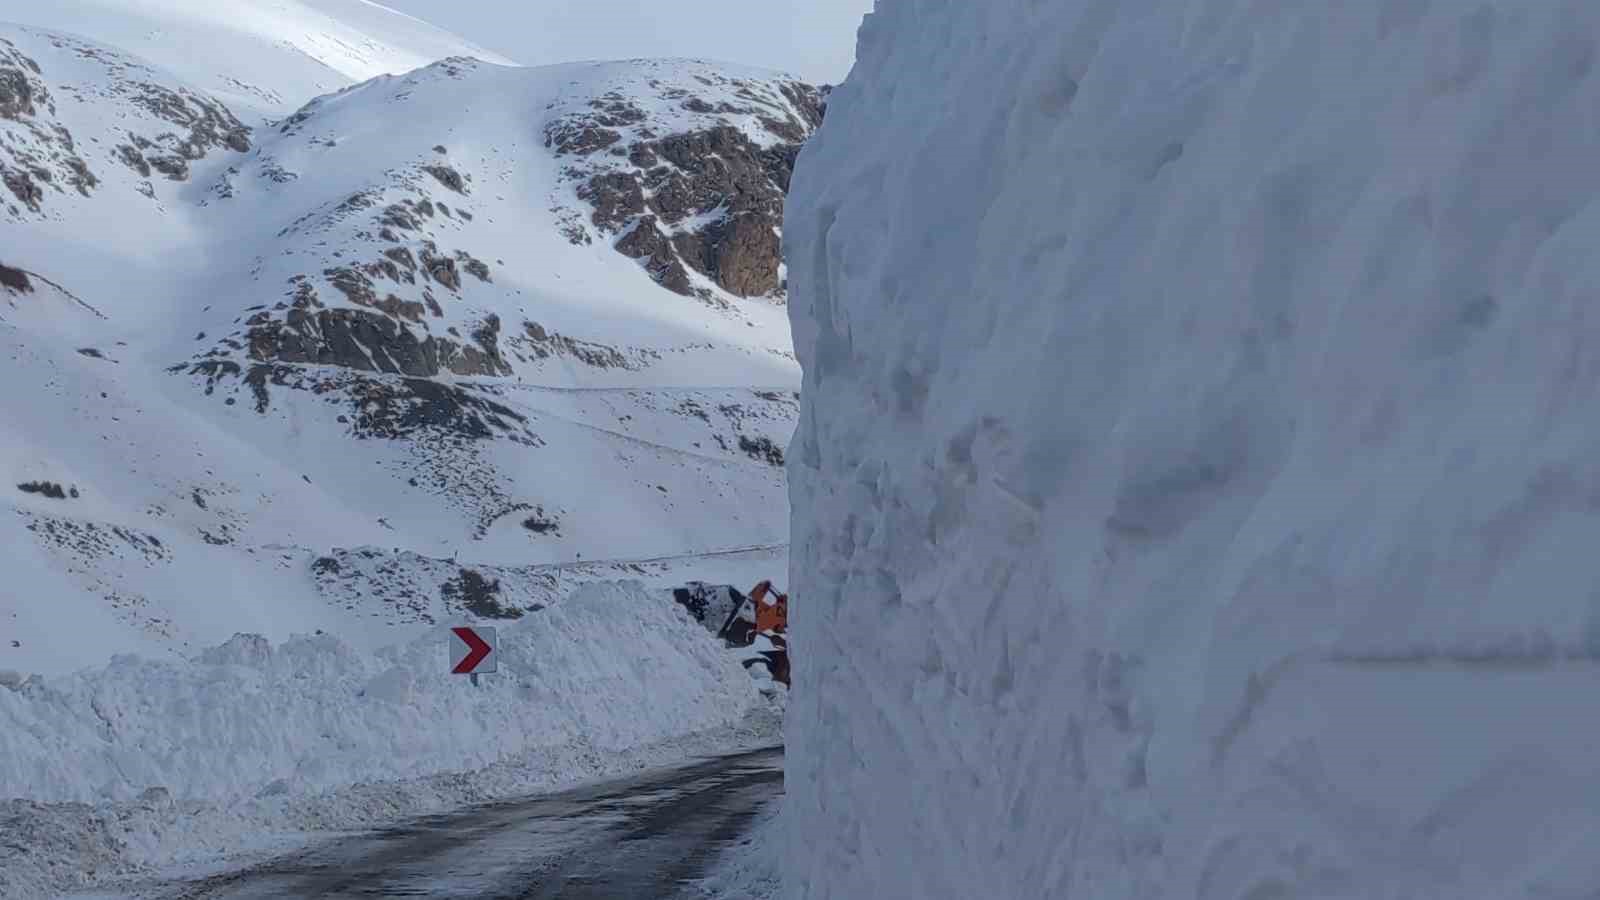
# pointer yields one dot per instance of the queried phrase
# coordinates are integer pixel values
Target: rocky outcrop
(37, 152)
(371, 339)
(708, 200)
(166, 129)
(15, 279)
(204, 125)
(541, 344)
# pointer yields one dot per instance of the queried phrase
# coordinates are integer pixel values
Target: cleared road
(638, 837)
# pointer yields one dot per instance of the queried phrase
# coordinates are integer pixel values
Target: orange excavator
(769, 627)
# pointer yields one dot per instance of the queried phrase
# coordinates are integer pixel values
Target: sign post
(473, 649)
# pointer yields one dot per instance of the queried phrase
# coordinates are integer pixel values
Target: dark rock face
(646, 242)
(448, 177)
(762, 448)
(478, 595)
(380, 406)
(594, 130)
(716, 169)
(741, 253)
(374, 339)
(697, 208)
(16, 91)
(716, 174)
(15, 279)
(45, 489)
(46, 154)
(542, 523)
(542, 344)
(43, 156)
(209, 126)
(400, 410)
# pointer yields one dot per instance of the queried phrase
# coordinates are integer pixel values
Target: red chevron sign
(472, 650)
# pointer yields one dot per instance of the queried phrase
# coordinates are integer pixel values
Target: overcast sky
(814, 39)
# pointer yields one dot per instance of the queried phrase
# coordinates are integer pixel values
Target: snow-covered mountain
(438, 343)
(1197, 482)
(267, 56)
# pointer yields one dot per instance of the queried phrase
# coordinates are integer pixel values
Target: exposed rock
(483, 359)
(475, 267)
(478, 595)
(762, 448)
(398, 410)
(646, 242)
(133, 159)
(374, 338)
(45, 489)
(587, 133)
(448, 177)
(402, 256)
(812, 102)
(22, 186)
(400, 217)
(741, 253)
(170, 130)
(16, 93)
(15, 279)
(358, 339)
(359, 289)
(540, 523)
(617, 197)
(545, 345)
(382, 407)
(440, 268)
(579, 139)
(718, 175)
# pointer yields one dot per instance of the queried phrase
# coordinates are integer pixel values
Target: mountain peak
(413, 313)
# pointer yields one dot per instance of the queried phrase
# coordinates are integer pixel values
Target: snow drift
(615, 667)
(1197, 478)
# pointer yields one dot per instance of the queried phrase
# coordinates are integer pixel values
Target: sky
(814, 39)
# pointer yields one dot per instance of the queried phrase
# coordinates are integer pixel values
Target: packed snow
(604, 674)
(614, 665)
(1196, 480)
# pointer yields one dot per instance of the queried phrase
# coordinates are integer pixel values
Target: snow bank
(748, 869)
(1197, 481)
(612, 668)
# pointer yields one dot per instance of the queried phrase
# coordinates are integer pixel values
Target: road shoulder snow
(164, 773)
(749, 869)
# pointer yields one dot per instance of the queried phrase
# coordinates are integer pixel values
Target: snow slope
(612, 667)
(266, 57)
(1196, 482)
(386, 331)
(254, 748)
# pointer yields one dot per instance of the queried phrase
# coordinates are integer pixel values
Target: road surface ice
(645, 836)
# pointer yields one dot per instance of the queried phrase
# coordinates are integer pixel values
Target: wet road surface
(638, 837)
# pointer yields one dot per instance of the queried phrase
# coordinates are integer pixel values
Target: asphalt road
(639, 837)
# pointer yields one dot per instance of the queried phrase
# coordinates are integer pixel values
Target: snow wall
(614, 667)
(1197, 493)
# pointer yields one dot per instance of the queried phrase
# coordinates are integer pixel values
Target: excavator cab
(763, 629)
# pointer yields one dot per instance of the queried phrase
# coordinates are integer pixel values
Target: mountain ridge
(386, 318)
